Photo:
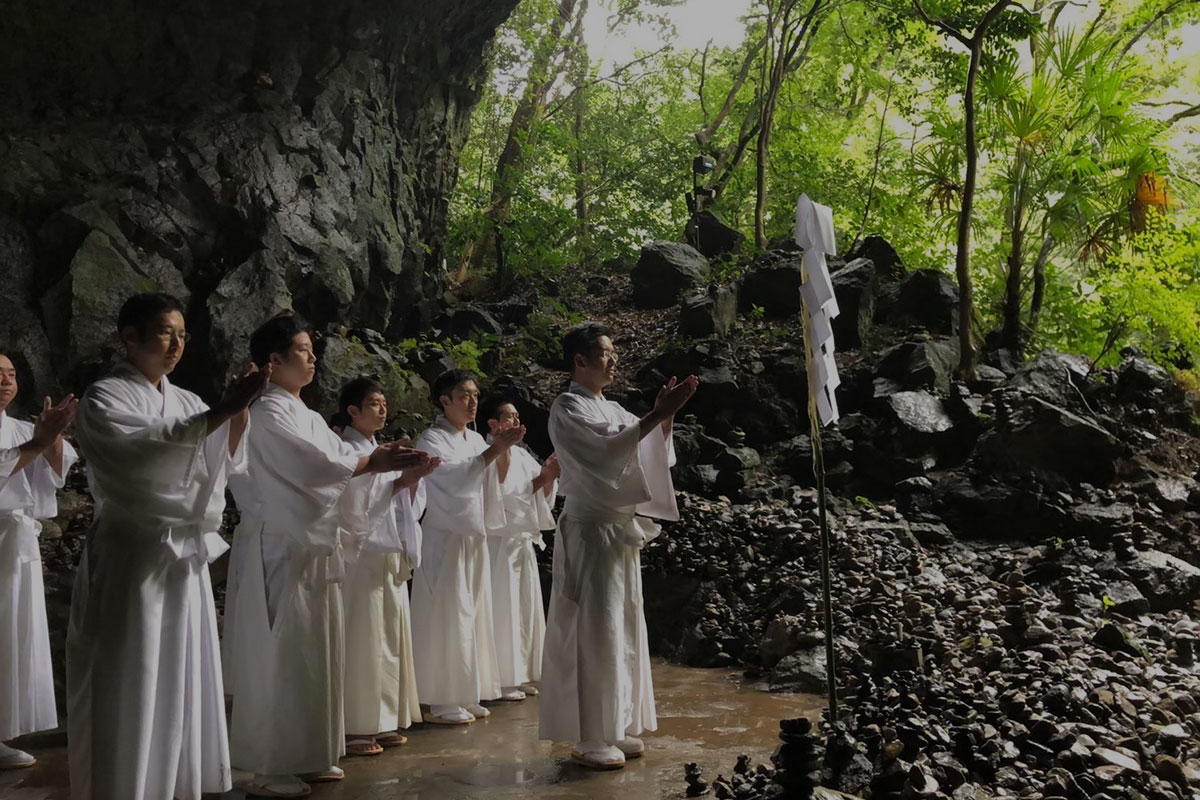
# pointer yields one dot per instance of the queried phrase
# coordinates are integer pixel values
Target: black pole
(826, 573)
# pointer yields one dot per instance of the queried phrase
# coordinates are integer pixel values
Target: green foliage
(466, 354)
(1148, 289)
(870, 122)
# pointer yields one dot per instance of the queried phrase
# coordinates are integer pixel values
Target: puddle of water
(706, 716)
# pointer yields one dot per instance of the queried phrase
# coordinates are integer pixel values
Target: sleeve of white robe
(408, 506)
(656, 452)
(460, 480)
(45, 481)
(636, 470)
(308, 477)
(154, 458)
(541, 501)
(610, 459)
(9, 456)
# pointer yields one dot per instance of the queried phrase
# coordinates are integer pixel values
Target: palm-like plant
(1071, 144)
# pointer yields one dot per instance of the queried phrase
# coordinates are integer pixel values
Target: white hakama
(283, 614)
(596, 683)
(381, 542)
(518, 615)
(451, 603)
(145, 703)
(26, 679)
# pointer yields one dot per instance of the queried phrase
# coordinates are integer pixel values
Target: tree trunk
(1039, 284)
(522, 130)
(1011, 335)
(962, 258)
(250, 157)
(579, 157)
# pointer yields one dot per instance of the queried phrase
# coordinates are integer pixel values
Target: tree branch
(1184, 114)
(1154, 20)
(561, 101)
(949, 30)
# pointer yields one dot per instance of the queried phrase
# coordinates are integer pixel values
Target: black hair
(275, 336)
(340, 419)
(356, 392)
(141, 310)
(447, 381)
(491, 408)
(582, 340)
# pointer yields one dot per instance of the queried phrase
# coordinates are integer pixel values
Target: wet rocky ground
(965, 670)
(705, 716)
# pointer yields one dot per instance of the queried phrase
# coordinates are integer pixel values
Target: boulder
(919, 412)
(81, 309)
(881, 254)
(922, 364)
(772, 283)
(1166, 581)
(785, 635)
(928, 298)
(854, 286)
(246, 297)
(738, 459)
(1058, 378)
(1126, 599)
(665, 271)
(463, 323)
(708, 314)
(802, 671)
(709, 234)
(1033, 435)
(1137, 377)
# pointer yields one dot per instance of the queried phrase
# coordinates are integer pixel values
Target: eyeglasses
(182, 336)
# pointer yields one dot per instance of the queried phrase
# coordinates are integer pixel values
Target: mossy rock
(343, 359)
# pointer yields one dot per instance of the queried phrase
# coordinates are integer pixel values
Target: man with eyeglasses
(146, 715)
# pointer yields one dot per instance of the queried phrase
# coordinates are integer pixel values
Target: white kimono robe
(380, 537)
(451, 604)
(145, 705)
(283, 629)
(26, 679)
(518, 616)
(596, 684)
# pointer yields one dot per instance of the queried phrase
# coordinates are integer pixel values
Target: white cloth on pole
(814, 233)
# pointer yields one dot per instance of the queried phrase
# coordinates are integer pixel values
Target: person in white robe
(518, 613)
(34, 461)
(283, 635)
(145, 703)
(380, 516)
(453, 643)
(597, 690)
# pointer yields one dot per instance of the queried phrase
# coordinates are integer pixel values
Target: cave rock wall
(251, 156)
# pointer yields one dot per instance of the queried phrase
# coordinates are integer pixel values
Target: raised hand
(674, 395)
(411, 475)
(508, 437)
(551, 469)
(246, 387)
(395, 457)
(53, 420)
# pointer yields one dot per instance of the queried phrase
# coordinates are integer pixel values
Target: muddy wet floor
(707, 716)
